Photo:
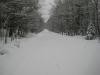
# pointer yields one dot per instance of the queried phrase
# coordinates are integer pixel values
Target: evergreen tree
(91, 31)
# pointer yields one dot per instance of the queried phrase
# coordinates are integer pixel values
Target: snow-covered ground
(49, 53)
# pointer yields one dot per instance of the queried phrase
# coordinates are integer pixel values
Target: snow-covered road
(52, 54)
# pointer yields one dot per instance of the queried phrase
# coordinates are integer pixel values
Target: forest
(19, 17)
(68, 17)
(76, 17)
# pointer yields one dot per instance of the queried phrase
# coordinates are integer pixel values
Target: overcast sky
(45, 10)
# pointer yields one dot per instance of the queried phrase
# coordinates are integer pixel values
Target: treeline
(76, 17)
(18, 17)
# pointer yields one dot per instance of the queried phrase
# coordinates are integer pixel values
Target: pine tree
(91, 31)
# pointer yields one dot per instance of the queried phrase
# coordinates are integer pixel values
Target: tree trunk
(6, 35)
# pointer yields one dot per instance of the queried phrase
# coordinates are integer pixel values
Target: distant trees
(18, 17)
(73, 17)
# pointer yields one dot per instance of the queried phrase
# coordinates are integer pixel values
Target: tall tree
(96, 6)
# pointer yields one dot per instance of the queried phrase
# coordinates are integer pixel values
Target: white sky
(45, 10)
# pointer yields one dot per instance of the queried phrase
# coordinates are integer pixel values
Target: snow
(49, 53)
